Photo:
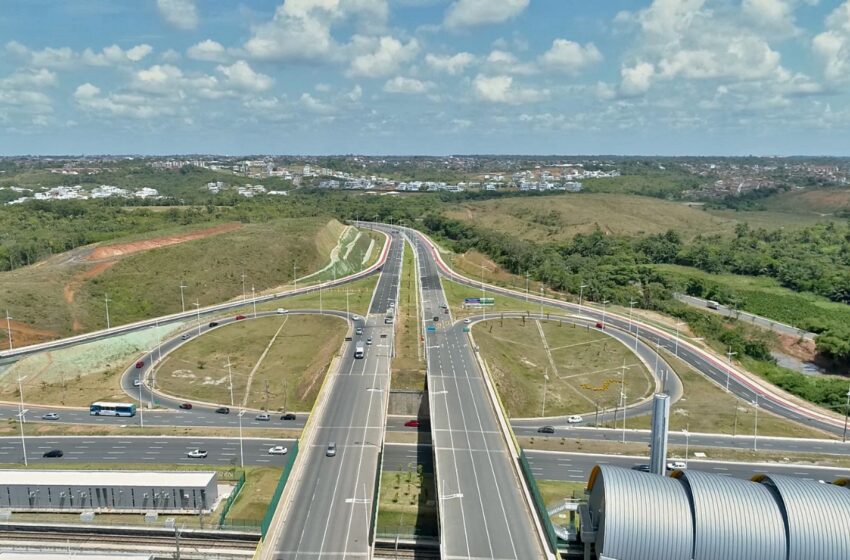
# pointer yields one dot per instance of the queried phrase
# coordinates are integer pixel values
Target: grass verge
(408, 367)
(407, 504)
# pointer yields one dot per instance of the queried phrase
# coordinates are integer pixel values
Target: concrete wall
(409, 403)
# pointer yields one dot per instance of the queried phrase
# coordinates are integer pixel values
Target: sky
(431, 77)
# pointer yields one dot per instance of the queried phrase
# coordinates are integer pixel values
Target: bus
(112, 409)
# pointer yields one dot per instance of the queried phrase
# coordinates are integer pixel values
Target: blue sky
(671, 77)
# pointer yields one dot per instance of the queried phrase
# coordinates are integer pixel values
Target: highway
(329, 511)
(482, 510)
(763, 322)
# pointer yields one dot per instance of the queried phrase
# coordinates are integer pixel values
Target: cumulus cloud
(182, 14)
(507, 63)
(832, 46)
(241, 76)
(207, 50)
(471, 13)
(450, 64)
(636, 79)
(21, 91)
(314, 105)
(383, 56)
(501, 89)
(570, 57)
(400, 84)
(64, 58)
(89, 97)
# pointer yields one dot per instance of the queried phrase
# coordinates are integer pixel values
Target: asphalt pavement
(763, 322)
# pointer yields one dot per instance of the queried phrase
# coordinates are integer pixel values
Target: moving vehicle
(281, 311)
(186, 406)
(331, 451)
(263, 417)
(50, 416)
(277, 450)
(356, 318)
(681, 465)
(466, 321)
(288, 416)
(359, 350)
(436, 318)
(112, 409)
(140, 364)
(546, 430)
(599, 325)
(369, 340)
(184, 336)
(711, 304)
(412, 424)
(53, 453)
(213, 324)
(240, 317)
(575, 419)
(222, 410)
(197, 454)
(358, 331)
(641, 468)
(137, 382)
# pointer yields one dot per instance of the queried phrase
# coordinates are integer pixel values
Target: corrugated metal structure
(817, 517)
(109, 491)
(638, 516)
(734, 519)
(692, 515)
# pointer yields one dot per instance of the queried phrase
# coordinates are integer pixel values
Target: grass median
(408, 364)
(407, 504)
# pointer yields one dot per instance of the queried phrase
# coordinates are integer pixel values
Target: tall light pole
(729, 355)
(526, 287)
(756, 427)
(254, 299)
(604, 308)
(141, 404)
(244, 297)
(631, 307)
(580, 294)
(198, 311)
(294, 276)
(241, 449)
(623, 397)
(22, 418)
(182, 300)
(347, 312)
(483, 293)
(687, 441)
(846, 410)
(676, 347)
(106, 302)
(545, 381)
(9, 328)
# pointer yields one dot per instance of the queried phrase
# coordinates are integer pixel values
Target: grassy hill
(820, 202)
(65, 293)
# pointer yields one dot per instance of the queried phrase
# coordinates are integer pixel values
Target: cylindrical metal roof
(817, 517)
(734, 519)
(640, 516)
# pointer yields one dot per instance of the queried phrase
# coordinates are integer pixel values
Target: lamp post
(545, 381)
(241, 449)
(729, 355)
(254, 300)
(846, 409)
(526, 287)
(142, 403)
(604, 304)
(106, 302)
(9, 328)
(623, 400)
(631, 307)
(22, 418)
(687, 441)
(580, 294)
(244, 297)
(756, 426)
(676, 347)
(294, 276)
(198, 311)
(183, 301)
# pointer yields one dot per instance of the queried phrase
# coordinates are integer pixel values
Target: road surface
(764, 322)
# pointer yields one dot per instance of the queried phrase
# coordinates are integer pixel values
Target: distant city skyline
(317, 77)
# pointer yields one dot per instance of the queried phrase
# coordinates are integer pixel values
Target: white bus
(112, 409)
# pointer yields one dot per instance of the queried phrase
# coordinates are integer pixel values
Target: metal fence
(376, 495)
(231, 498)
(539, 505)
(278, 491)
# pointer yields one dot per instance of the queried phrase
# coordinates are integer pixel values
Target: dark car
(140, 364)
(53, 453)
(599, 325)
(436, 318)
(213, 324)
(240, 317)
(641, 468)
(223, 410)
(288, 416)
(546, 430)
(348, 339)
(186, 406)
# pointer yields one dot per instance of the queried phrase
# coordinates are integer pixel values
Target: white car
(681, 465)
(356, 318)
(197, 454)
(575, 419)
(50, 416)
(277, 450)
(263, 417)
(281, 311)
(466, 321)
(137, 382)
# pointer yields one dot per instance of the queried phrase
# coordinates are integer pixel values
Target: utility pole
(735, 425)
(243, 285)
(637, 326)
(9, 328)
(267, 394)
(285, 394)
(545, 381)
(176, 543)
(198, 308)
(676, 350)
(580, 294)
(22, 418)
(254, 299)
(756, 427)
(182, 301)
(294, 276)
(729, 355)
(604, 308)
(526, 287)
(106, 301)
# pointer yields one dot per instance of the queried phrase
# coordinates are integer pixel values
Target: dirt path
(124, 249)
(259, 362)
(23, 334)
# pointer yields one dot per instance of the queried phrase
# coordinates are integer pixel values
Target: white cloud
(20, 93)
(241, 76)
(207, 50)
(570, 57)
(832, 46)
(29, 78)
(314, 105)
(88, 97)
(115, 55)
(501, 89)
(470, 13)
(355, 94)
(504, 62)
(65, 58)
(182, 14)
(400, 84)
(451, 64)
(636, 79)
(159, 78)
(384, 56)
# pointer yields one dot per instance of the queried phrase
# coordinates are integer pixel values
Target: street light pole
(676, 347)
(244, 297)
(729, 355)
(106, 301)
(241, 449)
(580, 294)
(756, 428)
(526, 287)
(254, 299)
(294, 276)
(9, 328)
(604, 308)
(545, 381)
(846, 409)
(182, 301)
(198, 310)
(631, 307)
(687, 441)
(22, 418)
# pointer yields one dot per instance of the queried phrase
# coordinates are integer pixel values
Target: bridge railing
(539, 504)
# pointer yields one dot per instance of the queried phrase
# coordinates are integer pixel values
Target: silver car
(331, 451)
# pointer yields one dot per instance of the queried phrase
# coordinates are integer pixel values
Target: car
(348, 339)
(184, 336)
(53, 453)
(575, 419)
(411, 424)
(240, 317)
(186, 406)
(466, 321)
(445, 311)
(137, 382)
(50, 416)
(277, 450)
(369, 340)
(641, 468)
(356, 318)
(546, 430)
(263, 417)
(288, 416)
(222, 410)
(436, 318)
(281, 311)
(331, 450)
(213, 324)
(140, 364)
(672, 465)
(358, 331)
(392, 304)
(197, 454)
(599, 325)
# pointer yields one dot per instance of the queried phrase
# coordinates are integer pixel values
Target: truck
(359, 350)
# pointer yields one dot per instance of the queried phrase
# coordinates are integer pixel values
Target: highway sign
(431, 328)
(479, 301)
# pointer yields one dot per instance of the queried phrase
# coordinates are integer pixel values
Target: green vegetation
(356, 296)
(583, 366)
(554, 492)
(407, 504)
(299, 351)
(408, 367)
(645, 178)
(456, 293)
